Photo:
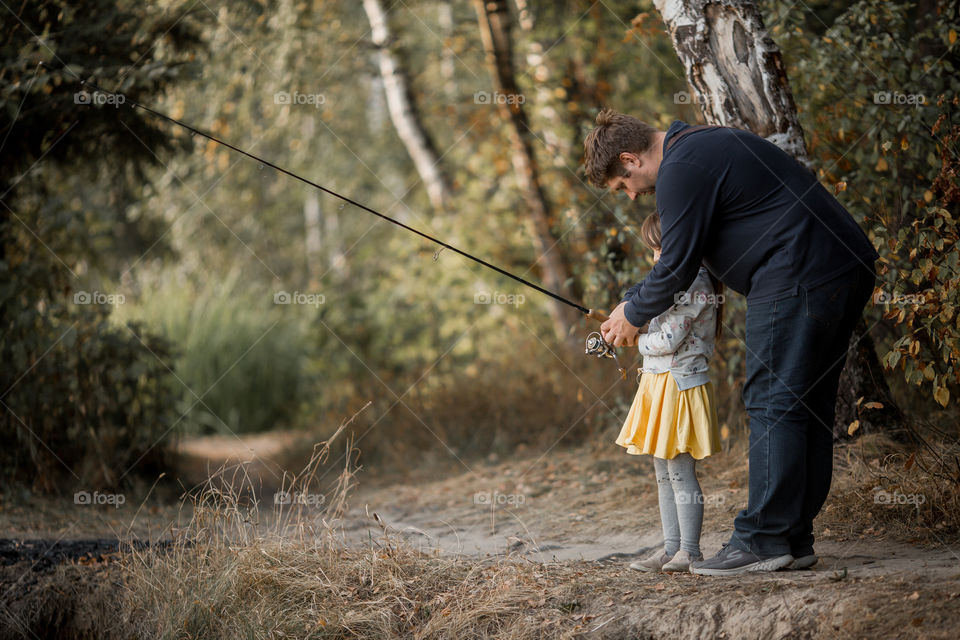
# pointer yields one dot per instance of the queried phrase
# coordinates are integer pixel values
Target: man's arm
(687, 196)
(631, 291)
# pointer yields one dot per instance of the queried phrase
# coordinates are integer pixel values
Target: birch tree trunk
(405, 118)
(739, 80)
(447, 57)
(494, 19)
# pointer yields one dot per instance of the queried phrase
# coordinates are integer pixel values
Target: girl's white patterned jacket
(681, 339)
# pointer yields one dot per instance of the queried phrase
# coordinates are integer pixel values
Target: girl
(674, 417)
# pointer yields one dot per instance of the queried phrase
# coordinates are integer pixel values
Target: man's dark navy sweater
(758, 219)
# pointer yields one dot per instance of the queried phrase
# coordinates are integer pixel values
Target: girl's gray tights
(681, 503)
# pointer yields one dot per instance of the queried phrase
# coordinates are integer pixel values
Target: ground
(574, 519)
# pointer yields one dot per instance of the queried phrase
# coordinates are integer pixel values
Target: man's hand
(618, 331)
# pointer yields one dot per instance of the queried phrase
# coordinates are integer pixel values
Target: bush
(925, 298)
(83, 401)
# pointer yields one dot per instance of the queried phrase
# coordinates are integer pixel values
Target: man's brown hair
(614, 134)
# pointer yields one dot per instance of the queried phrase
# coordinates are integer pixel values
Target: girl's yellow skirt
(665, 421)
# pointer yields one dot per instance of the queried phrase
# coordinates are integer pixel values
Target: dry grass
(243, 569)
(238, 571)
(880, 487)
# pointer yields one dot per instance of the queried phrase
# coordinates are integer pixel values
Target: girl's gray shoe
(652, 564)
(681, 561)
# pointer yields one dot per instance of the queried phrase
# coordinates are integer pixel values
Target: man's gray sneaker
(804, 562)
(731, 561)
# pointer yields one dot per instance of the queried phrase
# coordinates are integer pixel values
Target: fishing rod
(595, 344)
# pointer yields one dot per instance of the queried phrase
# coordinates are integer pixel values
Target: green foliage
(85, 400)
(50, 45)
(240, 361)
(869, 81)
(926, 297)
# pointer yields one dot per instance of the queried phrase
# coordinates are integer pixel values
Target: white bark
(404, 117)
(312, 238)
(447, 66)
(376, 104)
(735, 69)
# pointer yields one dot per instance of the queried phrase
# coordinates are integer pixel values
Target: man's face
(636, 182)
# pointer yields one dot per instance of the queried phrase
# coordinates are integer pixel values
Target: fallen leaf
(942, 395)
(853, 427)
(909, 463)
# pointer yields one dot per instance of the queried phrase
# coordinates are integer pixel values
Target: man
(762, 223)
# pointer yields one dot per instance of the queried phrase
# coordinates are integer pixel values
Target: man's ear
(630, 159)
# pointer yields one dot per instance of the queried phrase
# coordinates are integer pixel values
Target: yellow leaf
(881, 165)
(952, 35)
(853, 427)
(725, 432)
(942, 395)
(873, 405)
(904, 144)
(841, 186)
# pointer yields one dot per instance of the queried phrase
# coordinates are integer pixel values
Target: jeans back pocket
(827, 302)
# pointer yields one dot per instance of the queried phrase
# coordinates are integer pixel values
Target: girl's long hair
(650, 234)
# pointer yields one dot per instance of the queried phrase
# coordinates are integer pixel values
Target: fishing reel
(597, 346)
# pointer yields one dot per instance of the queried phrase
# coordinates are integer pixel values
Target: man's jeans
(796, 349)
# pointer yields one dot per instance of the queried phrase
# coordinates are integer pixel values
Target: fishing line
(211, 137)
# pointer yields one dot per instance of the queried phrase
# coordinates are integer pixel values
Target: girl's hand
(618, 331)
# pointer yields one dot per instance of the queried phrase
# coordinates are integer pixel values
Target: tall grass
(240, 356)
(242, 571)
